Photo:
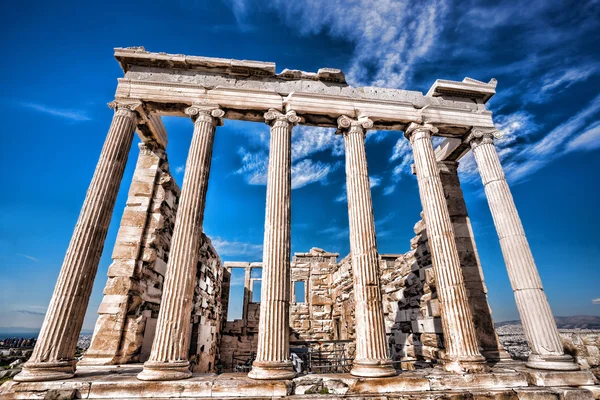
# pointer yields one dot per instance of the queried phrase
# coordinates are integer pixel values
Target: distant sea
(25, 335)
(8, 333)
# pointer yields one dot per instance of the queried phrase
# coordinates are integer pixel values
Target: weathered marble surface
(462, 351)
(273, 351)
(547, 350)
(168, 83)
(371, 358)
(169, 355)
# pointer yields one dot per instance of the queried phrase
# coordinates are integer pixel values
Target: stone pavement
(511, 380)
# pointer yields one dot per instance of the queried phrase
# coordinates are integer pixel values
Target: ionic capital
(479, 136)
(205, 112)
(348, 125)
(127, 108)
(275, 118)
(415, 131)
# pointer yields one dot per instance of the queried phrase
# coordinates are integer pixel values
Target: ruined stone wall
(410, 305)
(128, 313)
(411, 313)
(312, 320)
(239, 337)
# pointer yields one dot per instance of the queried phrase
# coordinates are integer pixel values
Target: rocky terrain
(581, 343)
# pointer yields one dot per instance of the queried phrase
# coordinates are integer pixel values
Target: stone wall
(239, 336)
(311, 320)
(411, 312)
(128, 313)
(411, 308)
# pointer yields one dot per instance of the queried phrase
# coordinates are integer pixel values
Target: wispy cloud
(596, 301)
(524, 151)
(393, 38)
(234, 248)
(308, 171)
(255, 168)
(180, 169)
(336, 232)
(403, 152)
(342, 198)
(375, 181)
(389, 36)
(587, 141)
(70, 114)
(564, 79)
(308, 140)
(28, 257)
(30, 312)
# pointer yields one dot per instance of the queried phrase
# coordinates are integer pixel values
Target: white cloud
(389, 189)
(375, 181)
(519, 124)
(70, 114)
(588, 140)
(307, 140)
(558, 80)
(390, 36)
(180, 169)
(255, 167)
(402, 151)
(234, 248)
(308, 171)
(553, 140)
(596, 301)
(521, 158)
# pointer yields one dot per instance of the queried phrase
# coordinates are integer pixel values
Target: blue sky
(58, 74)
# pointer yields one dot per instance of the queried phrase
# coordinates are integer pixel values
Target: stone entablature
(168, 83)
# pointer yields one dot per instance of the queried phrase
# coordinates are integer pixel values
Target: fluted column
(54, 353)
(169, 356)
(371, 359)
(472, 272)
(457, 322)
(536, 316)
(273, 352)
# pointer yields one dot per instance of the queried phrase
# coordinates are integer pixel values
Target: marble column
(371, 359)
(536, 316)
(462, 350)
(54, 354)
(169, 356)
(472, 272)
(273, 352)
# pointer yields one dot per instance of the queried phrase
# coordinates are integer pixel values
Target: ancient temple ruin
(367, 323)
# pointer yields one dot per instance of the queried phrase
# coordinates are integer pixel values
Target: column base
(95, 361)
(165, 371)
(562, 362)
(46, 371)
(468, 364)
(373, 368)
(272, 370)
(496, 355)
